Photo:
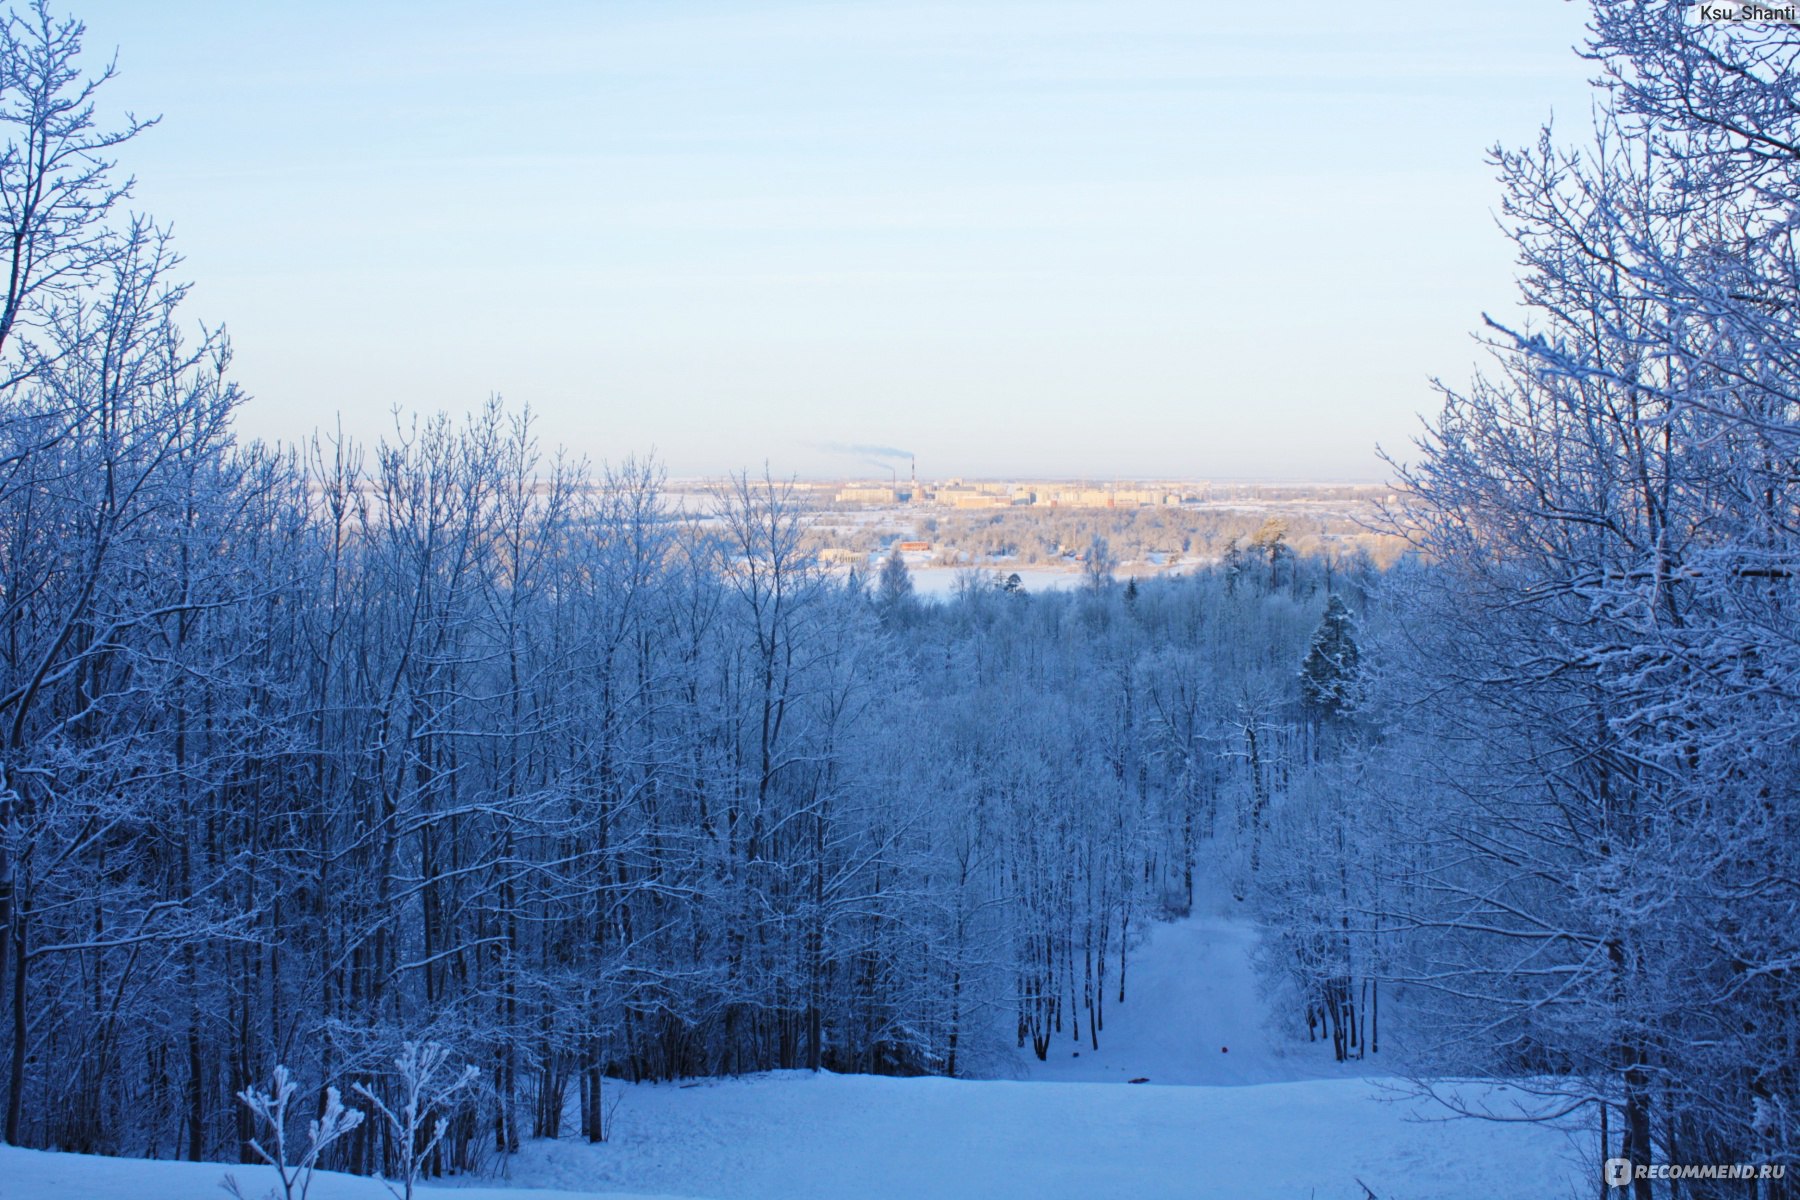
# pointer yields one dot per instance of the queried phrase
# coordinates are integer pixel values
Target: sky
(1062, 238)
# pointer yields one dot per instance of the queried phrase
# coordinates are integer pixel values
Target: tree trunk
(15, 1085)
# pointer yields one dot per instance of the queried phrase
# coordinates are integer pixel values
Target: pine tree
(894, 585)
(1328, 676)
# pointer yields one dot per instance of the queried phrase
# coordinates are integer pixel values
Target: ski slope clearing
(1232, 1110)
(1267, 1118)
(812, 1138)
(1192, 1015)
(794, 1136)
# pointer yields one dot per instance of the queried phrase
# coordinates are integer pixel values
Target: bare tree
(58, 183)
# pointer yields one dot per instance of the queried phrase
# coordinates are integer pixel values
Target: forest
(313, 751)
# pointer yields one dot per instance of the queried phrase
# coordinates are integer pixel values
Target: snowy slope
(800, 1137)
(794, 1136)
(1192, 1015)
(1292, 1124)
(38, 1175)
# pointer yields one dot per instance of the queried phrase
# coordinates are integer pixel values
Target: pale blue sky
(1094, 237)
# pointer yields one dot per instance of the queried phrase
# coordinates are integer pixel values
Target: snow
(1269, 1118)
(1193, 1015)
(35, 1174)
(793, 1136)
(939, 583)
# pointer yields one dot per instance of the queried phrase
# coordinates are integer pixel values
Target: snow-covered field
(1230, 1111)
(940, 583)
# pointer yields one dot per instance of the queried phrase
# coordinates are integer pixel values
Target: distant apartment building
(1078, 496)
(859, 494)
(963, 496)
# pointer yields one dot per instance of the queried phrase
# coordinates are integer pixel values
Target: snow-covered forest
(310, 752)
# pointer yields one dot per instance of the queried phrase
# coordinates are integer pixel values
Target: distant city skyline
(1136, 238)
(1025, 479)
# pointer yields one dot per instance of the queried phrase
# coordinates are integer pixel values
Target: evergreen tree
(1328, 676)
(894, 585)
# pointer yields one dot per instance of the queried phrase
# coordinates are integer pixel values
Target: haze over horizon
(1082, 239)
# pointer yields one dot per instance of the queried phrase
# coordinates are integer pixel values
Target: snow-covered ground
(940, 583)
(1192, 1016)
(792, 1136)
(1230, 1111)
(35, 1174)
